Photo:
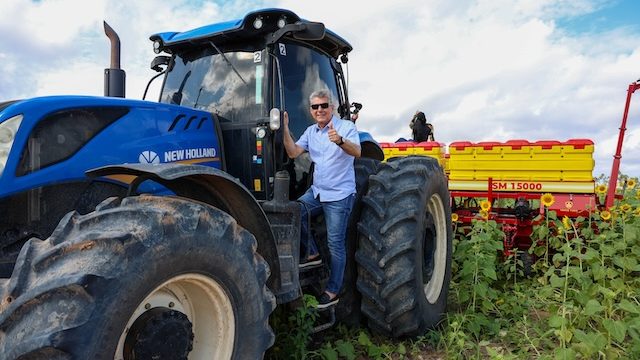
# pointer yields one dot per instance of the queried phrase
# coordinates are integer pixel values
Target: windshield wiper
(227, 61)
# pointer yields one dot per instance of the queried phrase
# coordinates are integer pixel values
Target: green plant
(581, 301)
(293, 330)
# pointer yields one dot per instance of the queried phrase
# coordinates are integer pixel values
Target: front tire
(114, 283)
(404, 254)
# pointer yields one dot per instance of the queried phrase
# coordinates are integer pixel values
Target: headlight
(274, 119)
(8, 130)
(282, 22)
(257, 23)
(157, 46)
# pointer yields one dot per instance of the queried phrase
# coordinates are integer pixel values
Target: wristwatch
(341, 141)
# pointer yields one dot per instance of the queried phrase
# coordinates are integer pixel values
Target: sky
(481, 70)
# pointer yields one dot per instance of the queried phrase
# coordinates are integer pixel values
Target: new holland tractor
(134, 229)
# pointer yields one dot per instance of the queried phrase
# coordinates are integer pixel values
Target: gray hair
(325, 94)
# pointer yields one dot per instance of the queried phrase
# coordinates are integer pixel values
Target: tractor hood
(57, 138)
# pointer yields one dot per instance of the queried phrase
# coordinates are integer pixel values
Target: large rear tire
(150, 277)
(404, 254)
(348, 308)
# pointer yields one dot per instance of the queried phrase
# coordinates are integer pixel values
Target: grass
(581, 301)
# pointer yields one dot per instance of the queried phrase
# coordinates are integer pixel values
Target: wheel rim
(207, 306)
(435, 249)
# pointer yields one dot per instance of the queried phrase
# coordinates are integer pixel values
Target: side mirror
(311, 31)
(159, 61)
(301, 31)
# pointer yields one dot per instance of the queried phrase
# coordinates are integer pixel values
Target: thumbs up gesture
(333, 134)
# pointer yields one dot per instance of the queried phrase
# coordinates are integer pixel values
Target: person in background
(333, 144)
(420, 129)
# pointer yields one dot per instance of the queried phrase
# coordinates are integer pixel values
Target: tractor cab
(245, 73)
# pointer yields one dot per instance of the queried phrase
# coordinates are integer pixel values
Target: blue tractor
(135, 229)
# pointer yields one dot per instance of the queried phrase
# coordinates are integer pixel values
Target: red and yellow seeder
(514, 181)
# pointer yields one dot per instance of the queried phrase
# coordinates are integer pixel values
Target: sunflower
(631, 183)
(454, 217)
(566, 222)
(605, 215)
(485, 205)
(547, 199)
(638, 194)
(484, 214)
(625, 208)
(636, 212)
(601, 189)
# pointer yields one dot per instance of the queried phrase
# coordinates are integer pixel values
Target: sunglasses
(316, 106)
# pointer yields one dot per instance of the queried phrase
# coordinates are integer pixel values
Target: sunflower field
(574, 295)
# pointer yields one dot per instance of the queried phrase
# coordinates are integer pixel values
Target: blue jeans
(336, 216)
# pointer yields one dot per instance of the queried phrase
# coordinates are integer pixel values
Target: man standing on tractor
(332, 144)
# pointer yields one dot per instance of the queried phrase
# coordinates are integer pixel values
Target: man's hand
(346, 146)
(333, 135)
(293, 150)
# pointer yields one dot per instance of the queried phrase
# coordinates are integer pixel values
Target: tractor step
(331, 315)
(310, 267)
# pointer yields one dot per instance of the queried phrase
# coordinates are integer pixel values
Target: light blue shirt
(334, 177)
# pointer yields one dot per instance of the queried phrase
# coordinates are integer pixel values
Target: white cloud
(480, 69)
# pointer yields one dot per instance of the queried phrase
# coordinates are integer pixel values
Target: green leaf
(619, 262)
(374, 351)
(556, 281)
(606, 292)
(565, 334)
(631, 232)
(608, 251)
(490, 272)
(598, 272)
(617, 329)
(346, 349)
(576, 273)
(590, 343)
(565, 354)
(630, 263)
(363, 339)
(590, 254)
(628, 306)
(328, 353)
(558, 258)
(467, 268)
(481, 289)
(556, 321)
(592, 307)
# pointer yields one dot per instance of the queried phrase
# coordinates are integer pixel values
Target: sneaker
(324, 301)
(308, 262)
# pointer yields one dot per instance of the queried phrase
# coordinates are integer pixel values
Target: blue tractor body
(78, 133)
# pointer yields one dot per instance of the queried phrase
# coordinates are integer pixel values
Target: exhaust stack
(114, 77)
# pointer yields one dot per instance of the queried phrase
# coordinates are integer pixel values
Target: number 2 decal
(257, 56)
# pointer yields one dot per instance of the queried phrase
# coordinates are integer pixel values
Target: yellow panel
(521, 160)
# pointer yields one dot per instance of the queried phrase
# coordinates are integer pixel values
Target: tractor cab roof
(256, 25)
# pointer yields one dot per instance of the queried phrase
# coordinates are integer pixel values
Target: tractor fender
(214, 187)
(370, 147)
